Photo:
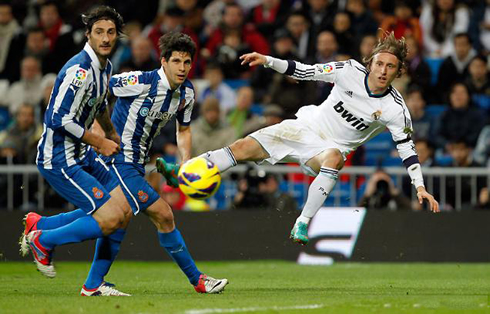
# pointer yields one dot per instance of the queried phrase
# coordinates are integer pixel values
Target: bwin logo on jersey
(350, 118)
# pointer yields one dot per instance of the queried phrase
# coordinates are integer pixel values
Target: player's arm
(67, 104)
(401, 128)
(104, 120)
(319, 72)
(184, 141)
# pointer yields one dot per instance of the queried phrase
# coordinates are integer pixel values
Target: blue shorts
(86, 185)
(139, 193)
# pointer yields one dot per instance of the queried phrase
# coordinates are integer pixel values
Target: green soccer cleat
(169, 171)
(299, 233)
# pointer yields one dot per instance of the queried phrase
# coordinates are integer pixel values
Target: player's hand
(253, 58)
(108, 147)
(423, 194)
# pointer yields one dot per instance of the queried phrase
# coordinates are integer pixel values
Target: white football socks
(318, 192)
(223, 158)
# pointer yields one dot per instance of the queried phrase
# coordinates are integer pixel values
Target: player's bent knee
(248, 149)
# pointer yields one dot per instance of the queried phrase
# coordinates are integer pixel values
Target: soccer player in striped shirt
(362, 104)
(66, 156)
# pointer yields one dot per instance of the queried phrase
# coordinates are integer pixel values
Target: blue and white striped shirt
(145, 104)
(78, 96)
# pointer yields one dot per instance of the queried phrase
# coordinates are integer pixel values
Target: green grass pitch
(255, 287)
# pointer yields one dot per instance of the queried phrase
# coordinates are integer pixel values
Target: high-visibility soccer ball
(199, 178)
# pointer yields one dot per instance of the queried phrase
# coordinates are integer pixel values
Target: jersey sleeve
(68, 99)
(401, 130)
(327, 72)
(127, 84)
(184, 113)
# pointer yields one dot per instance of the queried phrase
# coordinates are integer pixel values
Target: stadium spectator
(320, 14)
(37, 46)
(122, 53)
(368, 42)
(142, 58)
(481, 152)
(11, 43)
(343, 33)
(381, 193)
(478, 81)
(228, 53)
(440, 21)
(258, 190)
(58, 34)
(417, 69)
(173, 20)
(423, 124)
(271, 115)
(241, 117)
(455, 66)
(268, 16)
(173, 196)
(233, 20)
(209, 131)
(47, 84)
(217, 88)
(461, 121)
(298, 26)
(28, 89)
(461, 154)
(403, 23)
(283, 48)
(20, 139)
(362, 21)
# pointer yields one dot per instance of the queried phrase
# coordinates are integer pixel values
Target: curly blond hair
(390, 44)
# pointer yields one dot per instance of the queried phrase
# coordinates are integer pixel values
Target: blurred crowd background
(446, 85)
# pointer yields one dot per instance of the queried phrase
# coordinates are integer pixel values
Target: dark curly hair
(175, 41)
(102, 12)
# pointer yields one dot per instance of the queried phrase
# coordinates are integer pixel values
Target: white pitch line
(252, 309)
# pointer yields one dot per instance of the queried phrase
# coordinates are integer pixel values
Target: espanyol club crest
(98, 193)
(142, 196)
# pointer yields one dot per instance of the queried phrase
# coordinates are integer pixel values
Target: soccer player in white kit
(361, 105)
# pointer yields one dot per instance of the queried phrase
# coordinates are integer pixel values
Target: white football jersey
(351, 115)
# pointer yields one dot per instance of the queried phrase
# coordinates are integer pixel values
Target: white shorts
(292, 141)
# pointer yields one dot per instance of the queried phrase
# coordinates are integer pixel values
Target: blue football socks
(175, 246)
(82, 229)
(106, 250)
(56, 221)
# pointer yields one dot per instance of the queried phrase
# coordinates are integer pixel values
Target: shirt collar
(90, 51)
(164, 79)
(387, 91)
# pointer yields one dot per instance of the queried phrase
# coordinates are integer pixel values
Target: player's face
(177, 67)
(384, 69)
(102, 38)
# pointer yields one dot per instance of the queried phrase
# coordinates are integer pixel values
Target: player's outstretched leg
(171, 240)
(327, 164)
(318, 192)
(33, 221)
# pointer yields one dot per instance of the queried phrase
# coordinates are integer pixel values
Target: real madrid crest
(376, 115)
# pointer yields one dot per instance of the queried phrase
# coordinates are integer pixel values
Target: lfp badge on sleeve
(333, 234)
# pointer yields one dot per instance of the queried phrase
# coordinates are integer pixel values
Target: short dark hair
(175, 41)
(102, 12)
